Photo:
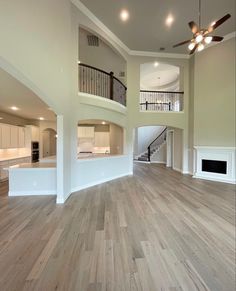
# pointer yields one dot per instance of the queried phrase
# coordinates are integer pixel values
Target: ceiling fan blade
(193, 50)
(217, 38)
(181, 43)
(219, 22)
(193, 26)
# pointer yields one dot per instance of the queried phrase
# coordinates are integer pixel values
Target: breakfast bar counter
(32, 179)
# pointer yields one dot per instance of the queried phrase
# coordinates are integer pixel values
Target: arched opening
(49, 144)
(23, 116)
(159, 144)
(99, 138)
(102, 70)
(161, 87)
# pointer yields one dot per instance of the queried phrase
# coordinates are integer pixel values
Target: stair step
(143, 159)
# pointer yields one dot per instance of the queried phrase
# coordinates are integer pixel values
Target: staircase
(153, 147)
(144, 157)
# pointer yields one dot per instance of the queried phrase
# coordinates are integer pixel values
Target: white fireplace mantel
(226, 154)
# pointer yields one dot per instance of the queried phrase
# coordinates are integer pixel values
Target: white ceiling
(163, 77)
(146, 29)
(14, 93)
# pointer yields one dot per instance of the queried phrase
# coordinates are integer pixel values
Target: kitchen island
(32, 179)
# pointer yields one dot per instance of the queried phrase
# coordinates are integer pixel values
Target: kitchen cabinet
(21, 137)
(34, 133)
(85, 131)
(11, 136)
(5, 136)
(102, 139)
(14, 137)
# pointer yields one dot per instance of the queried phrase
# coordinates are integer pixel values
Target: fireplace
(215, 163)
(213, 166)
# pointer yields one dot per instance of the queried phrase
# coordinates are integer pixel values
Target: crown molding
(119, 42)
(159, 55)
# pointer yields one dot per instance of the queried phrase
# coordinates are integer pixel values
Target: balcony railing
(100, 83)
(161, 101)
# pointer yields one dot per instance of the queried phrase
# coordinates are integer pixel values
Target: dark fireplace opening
(213, 166)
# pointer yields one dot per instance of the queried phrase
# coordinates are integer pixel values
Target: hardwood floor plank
(158, 230)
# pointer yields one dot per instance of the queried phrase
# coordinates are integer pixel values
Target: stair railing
(100, 83)
(156, 142)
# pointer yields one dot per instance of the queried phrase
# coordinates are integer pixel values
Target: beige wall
(178, 149)
(15, 120)
(102, 57)
(116, 139)
(214, 95)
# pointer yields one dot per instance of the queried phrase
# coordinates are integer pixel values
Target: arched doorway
(49, 146)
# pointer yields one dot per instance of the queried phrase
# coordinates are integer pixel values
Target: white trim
(226, 154)
(158, 55)
(143, 162)
(215, 148)
(63, 200)
(177, 169)
(166, 112)
(196, 176)
(169, 147)
(32, 193)
(76, 189)
(158, 162)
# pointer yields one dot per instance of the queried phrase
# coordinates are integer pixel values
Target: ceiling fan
(201, 36)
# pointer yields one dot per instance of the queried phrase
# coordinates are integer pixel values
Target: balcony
(97, 82)
(166, 101)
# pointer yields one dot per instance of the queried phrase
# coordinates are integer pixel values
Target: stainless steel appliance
(35, 151)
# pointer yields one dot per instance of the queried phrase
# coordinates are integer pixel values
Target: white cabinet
(5, 136)
(85, 132)
(11, 136)
(21, 137)
(102, 139)
(34, 133)
(14, 137)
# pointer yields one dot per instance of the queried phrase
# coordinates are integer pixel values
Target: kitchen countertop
(14, 158)
(32, 166)
(50, 159)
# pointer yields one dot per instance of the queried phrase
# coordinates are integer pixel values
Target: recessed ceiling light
(103, 122)
(14, 108)
(1, 118)
(41, 118)
(79, 62)
(124, 15)
(169, 20)
(156, 64)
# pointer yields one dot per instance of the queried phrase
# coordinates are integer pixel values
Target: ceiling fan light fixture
(200, 47)
(199, 38)
(191, 46)
(208, 39)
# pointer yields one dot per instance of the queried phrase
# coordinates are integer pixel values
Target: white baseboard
(143, 162)
(177, 169)
(31, 193)
(63, 200)
(76, 189)
(215, 179)
(158, 162)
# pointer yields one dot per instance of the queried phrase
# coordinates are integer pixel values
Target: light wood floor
(158, 230)
(4, 188)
